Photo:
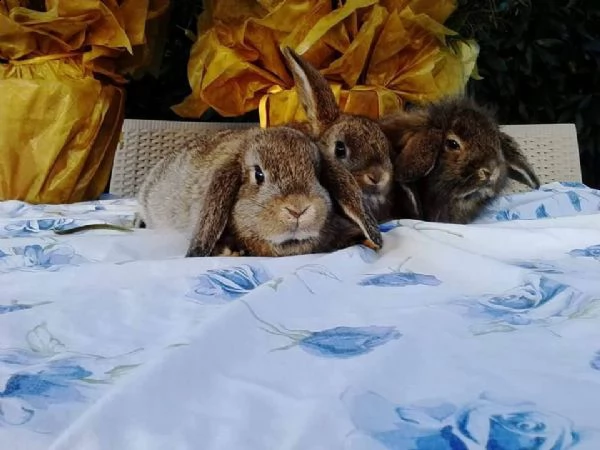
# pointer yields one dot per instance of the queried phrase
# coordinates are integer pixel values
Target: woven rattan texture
(551, 149)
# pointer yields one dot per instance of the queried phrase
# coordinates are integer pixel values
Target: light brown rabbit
(451, 159)
(270, 191)
(356, 141)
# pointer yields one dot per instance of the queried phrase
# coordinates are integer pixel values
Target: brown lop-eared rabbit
(267, 192)
(357, 141)
(451, 160)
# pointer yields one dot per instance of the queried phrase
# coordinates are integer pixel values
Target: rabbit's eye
(259, 176)
(452, 144)
(340, 149)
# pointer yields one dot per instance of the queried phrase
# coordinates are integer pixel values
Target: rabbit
(356, 141)
(269, 191)
(451, 160)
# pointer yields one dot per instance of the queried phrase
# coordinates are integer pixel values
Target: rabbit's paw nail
(370, 244)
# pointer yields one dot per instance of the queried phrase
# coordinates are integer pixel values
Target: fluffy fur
(366, 149)
(268, 192)
(451, 159)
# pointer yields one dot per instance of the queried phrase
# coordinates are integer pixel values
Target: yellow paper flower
(60, 117)
(376, 54)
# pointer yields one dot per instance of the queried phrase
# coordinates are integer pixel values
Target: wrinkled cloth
(452, 337)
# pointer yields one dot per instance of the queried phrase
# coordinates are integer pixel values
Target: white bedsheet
(484, 336)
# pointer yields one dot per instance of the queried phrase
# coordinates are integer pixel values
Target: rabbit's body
(451, 160)
(261, 189)
(356, 141)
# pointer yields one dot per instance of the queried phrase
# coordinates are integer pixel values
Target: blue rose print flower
(16, 306)
(505, 215)
(485, 423)
(399, 279)
(47, 373)
(35, 257)
(573, 184)
(589, 252)
(28, 227)
(229, 283)
(541, 212)
(539, 267)
(388, 226)
(575, 200)
(539, 301)
(595, 362)
(339, 342)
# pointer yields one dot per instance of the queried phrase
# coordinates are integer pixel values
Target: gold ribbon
(280, 106)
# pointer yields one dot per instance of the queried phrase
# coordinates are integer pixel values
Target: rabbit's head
(356, 141)
(454, 150)
(276, 193)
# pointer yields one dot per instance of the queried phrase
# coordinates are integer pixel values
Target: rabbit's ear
(518, 167)
(415, 146)
(220, 198)
(346, 192)
(398, 126)
(418, 155)
(314, 92)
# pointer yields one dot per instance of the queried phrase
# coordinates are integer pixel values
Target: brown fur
(211, 194)
(452, 184)
(368, 150)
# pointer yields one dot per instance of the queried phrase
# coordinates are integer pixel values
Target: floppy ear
(415, 146)
(418, 155)
(314, 92)
(346, 192)
(518, 167)
(220, 198)
(398, 126)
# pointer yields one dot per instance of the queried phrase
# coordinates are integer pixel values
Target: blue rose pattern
(35, 257)
(573, 184)
(539, 267)
(47, 373)
(400, 279)
(505, 215)
(15, 306)
(346, 342)
(388, 226)
(28, 227)
(485, 423)
(575, 200)
(339, 342)
(539, 301)
(229, 283)
(541, 212)
(588, 252)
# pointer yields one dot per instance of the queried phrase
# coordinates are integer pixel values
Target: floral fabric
(485, 336)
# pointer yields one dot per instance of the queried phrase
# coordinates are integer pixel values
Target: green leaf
(118, 371)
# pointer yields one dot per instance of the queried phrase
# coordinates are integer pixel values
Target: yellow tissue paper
(376, 55)
(62, 109)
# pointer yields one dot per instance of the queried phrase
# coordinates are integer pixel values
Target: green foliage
(540, 63)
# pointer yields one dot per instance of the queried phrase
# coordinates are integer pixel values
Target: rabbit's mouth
(294, 237)
(478, 193)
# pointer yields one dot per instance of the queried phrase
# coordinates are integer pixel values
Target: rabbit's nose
(484, 174)
(296, 212)
(374, 177)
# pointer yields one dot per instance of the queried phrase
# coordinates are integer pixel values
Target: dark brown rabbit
(356, 141)
(268, 192)
(451, 159)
